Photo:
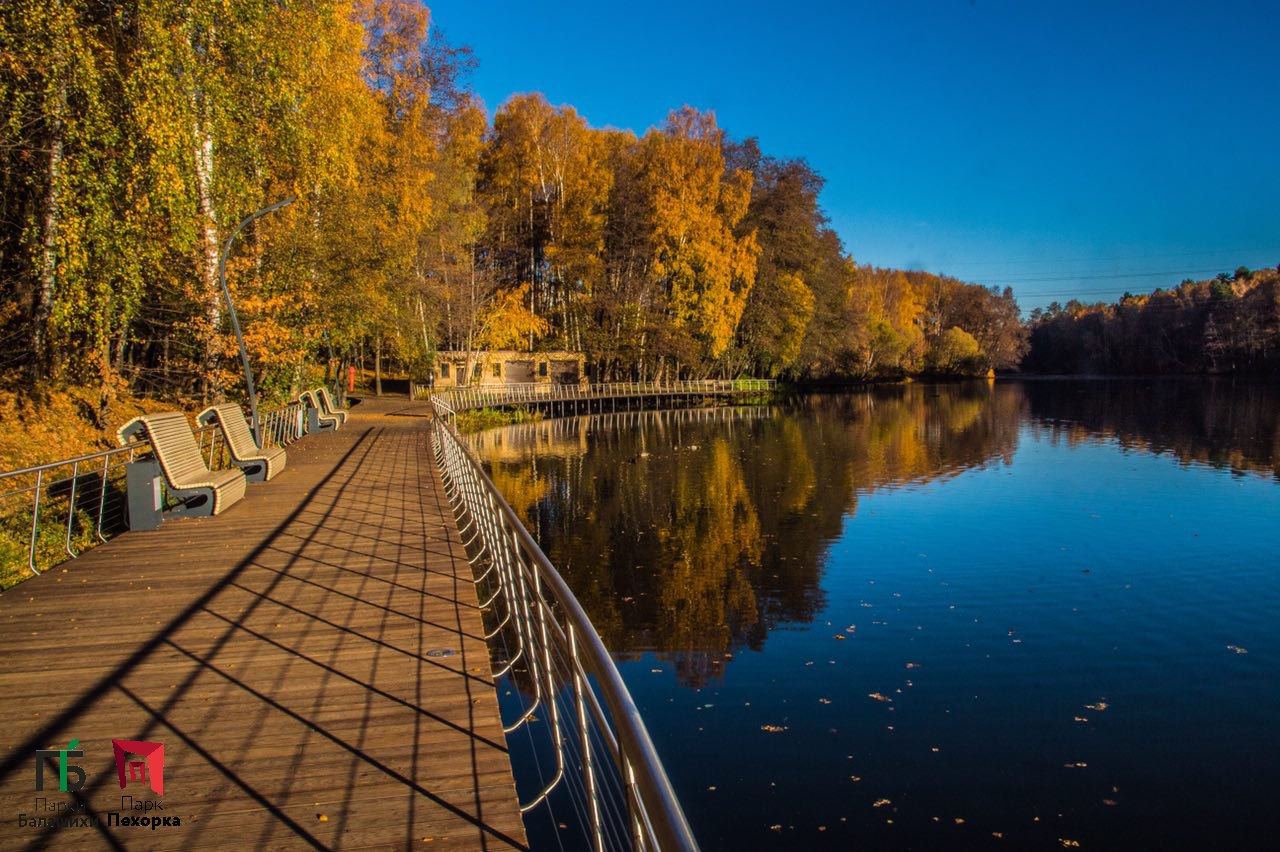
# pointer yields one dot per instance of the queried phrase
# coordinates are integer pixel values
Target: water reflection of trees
(693, 533)
(1219, 422)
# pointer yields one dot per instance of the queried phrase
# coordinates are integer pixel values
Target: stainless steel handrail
(599, 738)
(479, 396)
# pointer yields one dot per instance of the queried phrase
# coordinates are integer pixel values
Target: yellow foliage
(707, 270)
(508, 323)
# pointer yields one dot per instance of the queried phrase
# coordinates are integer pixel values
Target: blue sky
(1066, 149)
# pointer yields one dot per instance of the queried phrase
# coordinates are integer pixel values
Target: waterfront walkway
(312, 661)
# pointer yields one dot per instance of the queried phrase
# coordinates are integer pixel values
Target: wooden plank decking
(279, 652)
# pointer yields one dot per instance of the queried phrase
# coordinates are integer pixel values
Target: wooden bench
(257, 464)
(201, 492)
(327, 406)
(318, 420)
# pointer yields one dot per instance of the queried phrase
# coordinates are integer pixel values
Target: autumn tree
(788, 224)
(545, 185)
(705, 269)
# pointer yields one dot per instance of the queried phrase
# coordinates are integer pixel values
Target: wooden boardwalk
(281, 652)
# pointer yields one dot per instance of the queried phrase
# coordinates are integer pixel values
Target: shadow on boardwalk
(287, 655)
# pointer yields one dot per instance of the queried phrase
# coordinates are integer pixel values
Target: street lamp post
(235, 321)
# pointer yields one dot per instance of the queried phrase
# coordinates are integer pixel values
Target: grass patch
(479, 419)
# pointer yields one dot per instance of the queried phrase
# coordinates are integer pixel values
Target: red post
(351, 379)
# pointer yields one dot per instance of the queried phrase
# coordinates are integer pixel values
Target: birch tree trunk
(203, 141)
(50, 219)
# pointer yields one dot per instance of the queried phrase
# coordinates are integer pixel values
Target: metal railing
(482, 396)
(568, 436)
(55, 511)
(570, 698)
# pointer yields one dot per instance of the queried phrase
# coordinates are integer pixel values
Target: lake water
(1008, 616)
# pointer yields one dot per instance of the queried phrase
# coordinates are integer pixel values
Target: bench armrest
(135, 428)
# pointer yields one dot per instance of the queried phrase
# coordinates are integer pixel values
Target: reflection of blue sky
(1057, 147)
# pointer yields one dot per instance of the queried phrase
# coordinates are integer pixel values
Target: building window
(542, 368)
(497, 371)
(475, 372)
(444, 370)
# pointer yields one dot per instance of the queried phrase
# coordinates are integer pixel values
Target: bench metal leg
(142, 481)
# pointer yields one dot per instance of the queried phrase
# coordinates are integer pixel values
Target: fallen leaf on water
(855, 778)
(1081, 719)
(839, 636)
(1100, 706)
(1111, 803)
(1237, 649)
(824, 700)
(773, 729)
(1068, 843)
(776, 827)
(656, 671)
(880, 803)
(852, 628)
(997, 834)
(1076, 765)
(878, 697)
(959, 820)
(913, 665)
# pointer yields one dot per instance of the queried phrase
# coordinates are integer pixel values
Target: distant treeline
(1229, 324)
(134, 136)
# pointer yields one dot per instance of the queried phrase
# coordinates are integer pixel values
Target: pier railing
(572, 700)
(485, 396)
(55, 511)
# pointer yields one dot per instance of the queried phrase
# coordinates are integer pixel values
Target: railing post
(102, 494)
(71, 508)
(35, 518)
(584, 740)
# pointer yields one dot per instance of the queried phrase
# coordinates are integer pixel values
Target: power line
(1110, 258)
(1112, 276)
